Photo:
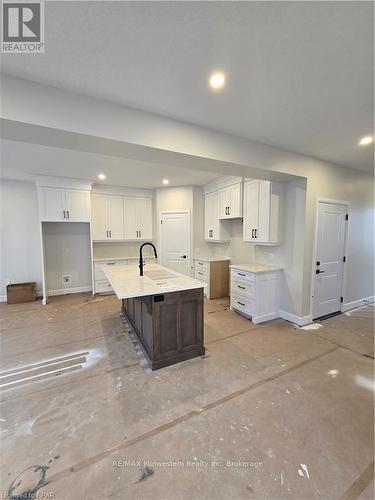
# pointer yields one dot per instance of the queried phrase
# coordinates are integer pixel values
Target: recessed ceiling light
(165, 181)
(101, 177)
(217, 80)
(366, 140)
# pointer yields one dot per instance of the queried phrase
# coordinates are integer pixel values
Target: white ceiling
(22, 161)
(300, 74)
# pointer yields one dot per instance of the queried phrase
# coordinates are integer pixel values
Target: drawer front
(243, 288)
(242, 303)
(201, 274)
(242, 275)
(103, 287)
(200, 264)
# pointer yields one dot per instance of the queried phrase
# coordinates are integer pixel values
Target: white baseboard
(297, 320)
(347, 306)
(66, 291)
(265, 317)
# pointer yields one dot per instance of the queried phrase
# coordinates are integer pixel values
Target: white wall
(20, 236)
(67, 251)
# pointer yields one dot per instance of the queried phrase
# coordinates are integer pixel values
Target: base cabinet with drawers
(101, 284)
(255, 291)
(215, 273)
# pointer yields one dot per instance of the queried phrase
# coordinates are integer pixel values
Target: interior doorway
(174, 241)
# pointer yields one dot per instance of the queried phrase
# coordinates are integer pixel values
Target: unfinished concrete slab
(271, 412)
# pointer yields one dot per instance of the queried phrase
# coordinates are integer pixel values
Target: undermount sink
(159, 275)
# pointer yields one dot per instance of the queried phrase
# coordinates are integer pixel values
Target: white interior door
(329, 265)
(175, 241)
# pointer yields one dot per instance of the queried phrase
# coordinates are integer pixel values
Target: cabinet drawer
(103, 287)
(242, 275)
(200, 264)
(104, 263)
(243, 288)
(201, 274)
(242, 303)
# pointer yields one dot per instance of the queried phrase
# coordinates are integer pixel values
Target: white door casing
(174, 242)
(328, 266)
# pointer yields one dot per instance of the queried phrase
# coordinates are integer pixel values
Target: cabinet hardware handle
(107, 233)
(252, 233)
(68, 214)
(256, 236)
(241, 303)
(241, 274)
(137, 233)
(228, 210)
(110, 233)
(140, 234)
(242, 287)
(200, 273)
(63, 214)
(111, 263)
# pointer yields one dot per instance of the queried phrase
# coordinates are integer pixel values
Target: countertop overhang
(255, 268)
(127, 283)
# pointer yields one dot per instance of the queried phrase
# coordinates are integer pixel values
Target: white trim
(122, 191)
(66, 291)
(221, 182)
(63, 182)
(357, 303)
(264, 317)
(297, 320)
(313, 266)
(188, 213)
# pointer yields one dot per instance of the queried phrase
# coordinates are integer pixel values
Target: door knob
(318, 271)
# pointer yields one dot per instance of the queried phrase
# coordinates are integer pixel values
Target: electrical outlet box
(67, 278)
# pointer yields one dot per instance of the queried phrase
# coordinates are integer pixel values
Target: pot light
(366, 140)
(217, 80)
(101, 177)
(165, 182)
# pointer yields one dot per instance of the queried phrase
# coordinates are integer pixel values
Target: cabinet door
(115, 206)
(131, 218)
(77, 205)
(264, 218)
(235, 205)
(224, 203)
(99, 217)
(145, 218)
(211, 216)
(52, 204)
(251, 210)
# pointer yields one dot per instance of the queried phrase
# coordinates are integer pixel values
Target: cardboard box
(21, 292)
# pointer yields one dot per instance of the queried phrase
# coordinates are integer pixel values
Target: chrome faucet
(141, 264)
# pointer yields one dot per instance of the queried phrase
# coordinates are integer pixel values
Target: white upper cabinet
(107, 217)
(230, 201)
(262, 212)
(215, 230)
(64, 205)
(138, 218)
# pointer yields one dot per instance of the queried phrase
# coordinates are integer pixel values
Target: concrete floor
(272, 411)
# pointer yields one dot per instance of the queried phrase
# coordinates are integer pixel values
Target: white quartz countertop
(211, 259)
(127, 283)
(255, 268)
(100, 259)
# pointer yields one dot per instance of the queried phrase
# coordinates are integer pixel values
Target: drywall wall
(67, 252)
(20, 235)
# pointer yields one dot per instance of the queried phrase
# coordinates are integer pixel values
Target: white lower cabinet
(255, 292)
(215, 274)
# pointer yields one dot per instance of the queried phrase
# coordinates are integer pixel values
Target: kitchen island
(165, 309)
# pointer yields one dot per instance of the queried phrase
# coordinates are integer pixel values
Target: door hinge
(341, 299)
(347, 217)
(344, 259)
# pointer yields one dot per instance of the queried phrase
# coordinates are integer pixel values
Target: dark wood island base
(169, 326)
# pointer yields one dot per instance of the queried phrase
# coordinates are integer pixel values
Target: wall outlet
(67, 278)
